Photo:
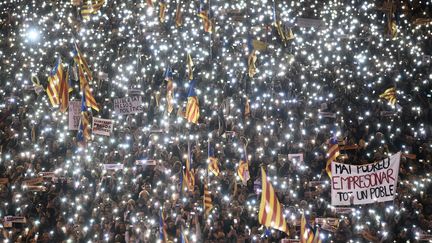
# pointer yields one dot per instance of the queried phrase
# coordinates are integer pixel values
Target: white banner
(102, 127)
(145, 162)
(363, 184)
(74, 114)
(113, 166)
(128, 105)
(15, 219)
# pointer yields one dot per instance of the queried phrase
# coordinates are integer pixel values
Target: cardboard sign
(102, 127)
(363, 184)
(128, 105)
(47, 174)
(113, 166)
(74, 114)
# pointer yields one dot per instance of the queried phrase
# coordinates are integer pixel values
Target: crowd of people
(324, 82)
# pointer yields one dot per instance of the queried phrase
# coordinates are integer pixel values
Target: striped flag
(213, 162)
(307, 234)
(91, 7)
(170, 89)
(270, 213)
(189, 176)
(85, 87)
(54, 79)
(81, 62)
(64, 93)
(190, 66)
(204, 15)
(162, 9)
(332, 154)
(192, 106)
(84, 127)
(389, 95)
(208, 205)
(178, 15)
(162, 227)
(243, 170)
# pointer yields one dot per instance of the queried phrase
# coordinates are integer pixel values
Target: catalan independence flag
(203, 13)
(64, 93)
(243, 170)
(213, 162)
(389, 95)
(189, 176)
(332, 154)
(162, 227)
(192, 106)
(91, 7)
(189, 66)
(270, 213)
(307, 234)
(55, 78)
(85, 87)
(178, 15)
(81, 62)
(208, 205)
(84, 127)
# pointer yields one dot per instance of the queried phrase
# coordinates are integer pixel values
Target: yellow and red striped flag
(204, 15)
(270, 213)
(213, 163)
(64, 93)
(208, 205)
(332, 154)
(162, 9)
(81, 62)
(84, 127)
(85, 87)
(91, 7)
(178, 15)
(54, 79)
(243, 171)
(189, 175)
(170, 89)
(192, 106)
(389, 95)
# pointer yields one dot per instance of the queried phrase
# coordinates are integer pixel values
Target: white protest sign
(296, 158)
(113, 166)
(102, 127)
(128, 105)
(74, 114)
(363, 184)
(327, 114)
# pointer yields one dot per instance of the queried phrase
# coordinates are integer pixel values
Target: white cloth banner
(128, 105)
(74, 114)
(363, 184)
(296, 158)
(102, 127)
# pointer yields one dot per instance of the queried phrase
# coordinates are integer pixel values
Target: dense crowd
(297, 80)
